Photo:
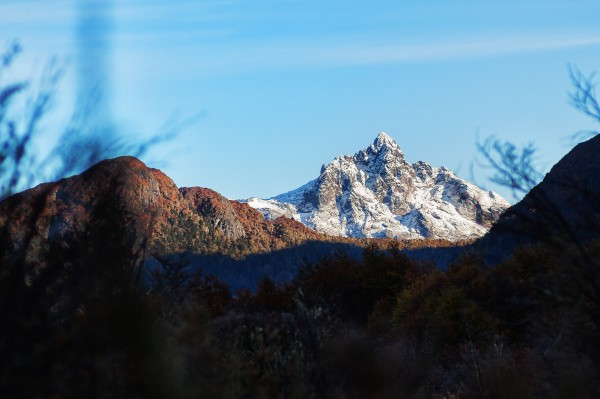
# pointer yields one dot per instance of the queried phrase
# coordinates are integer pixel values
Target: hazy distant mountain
(377, 193)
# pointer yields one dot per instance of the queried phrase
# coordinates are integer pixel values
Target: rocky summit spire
(383, 150)
(383, 140)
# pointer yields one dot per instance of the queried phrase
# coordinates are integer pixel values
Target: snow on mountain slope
(376, 193)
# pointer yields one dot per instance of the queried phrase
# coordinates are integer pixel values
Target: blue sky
(284, 86)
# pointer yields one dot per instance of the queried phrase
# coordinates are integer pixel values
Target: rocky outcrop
(217, 209)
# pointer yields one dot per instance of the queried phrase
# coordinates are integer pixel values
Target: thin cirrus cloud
(451, 50)
(251, 57)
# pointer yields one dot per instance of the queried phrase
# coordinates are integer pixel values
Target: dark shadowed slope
(563, 210)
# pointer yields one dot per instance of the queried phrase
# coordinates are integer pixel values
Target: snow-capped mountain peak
(377, 193)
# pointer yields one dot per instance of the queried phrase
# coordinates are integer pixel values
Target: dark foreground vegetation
(380, 327)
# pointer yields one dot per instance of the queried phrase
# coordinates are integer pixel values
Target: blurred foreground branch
(583, 98)
(86, 140)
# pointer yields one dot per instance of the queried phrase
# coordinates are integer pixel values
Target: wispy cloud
(238, 57)
(446, 50)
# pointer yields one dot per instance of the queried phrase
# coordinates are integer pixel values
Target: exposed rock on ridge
(377, 193)
(217, 209)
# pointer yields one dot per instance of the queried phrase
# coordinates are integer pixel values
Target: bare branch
(583, 98)
(513, 167)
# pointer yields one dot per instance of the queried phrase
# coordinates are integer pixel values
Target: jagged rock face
(377, 193)
(217, 209)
